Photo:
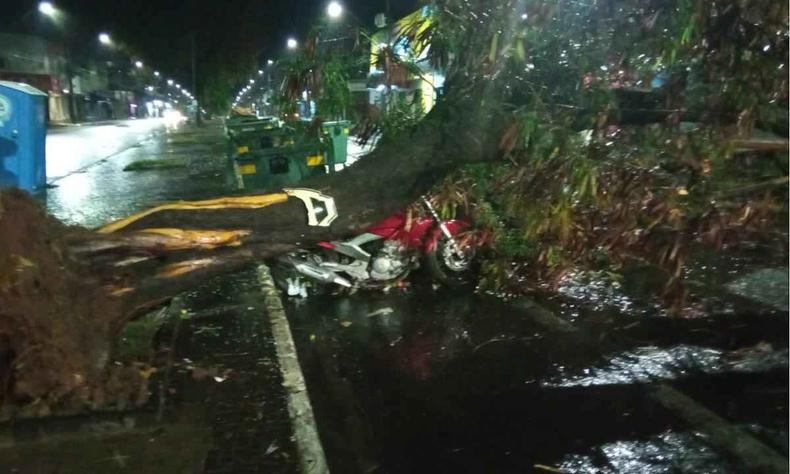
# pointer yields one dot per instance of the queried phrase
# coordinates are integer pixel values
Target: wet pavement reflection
(75, 147)
(441, 381)
(104, 192)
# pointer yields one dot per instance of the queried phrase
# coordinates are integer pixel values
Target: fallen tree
(65, 293)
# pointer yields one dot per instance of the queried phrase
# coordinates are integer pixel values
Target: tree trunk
(66, 293)
(384, 182)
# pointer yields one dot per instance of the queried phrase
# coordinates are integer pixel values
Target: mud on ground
(56, 322)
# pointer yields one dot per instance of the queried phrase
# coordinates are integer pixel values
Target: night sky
(233, 36)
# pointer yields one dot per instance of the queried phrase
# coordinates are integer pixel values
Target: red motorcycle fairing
(386, 229)
(394, 228)
(389, 226)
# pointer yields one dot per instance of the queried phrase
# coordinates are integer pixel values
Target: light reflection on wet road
(71, 148)
(103, 192)
(442, 381)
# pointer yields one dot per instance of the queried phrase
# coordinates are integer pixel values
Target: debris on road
(380, 312)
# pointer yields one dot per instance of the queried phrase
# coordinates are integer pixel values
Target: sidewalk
(220, 407)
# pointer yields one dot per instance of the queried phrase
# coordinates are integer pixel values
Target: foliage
(323, 74)
(399, 116)
(602, 167)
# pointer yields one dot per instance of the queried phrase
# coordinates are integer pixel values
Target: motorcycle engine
(390, 262)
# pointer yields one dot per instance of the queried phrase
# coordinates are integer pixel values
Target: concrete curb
(308, 443)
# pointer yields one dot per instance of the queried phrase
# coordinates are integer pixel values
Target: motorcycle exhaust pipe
(320, 274)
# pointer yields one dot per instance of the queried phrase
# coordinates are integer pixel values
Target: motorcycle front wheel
(449, 266)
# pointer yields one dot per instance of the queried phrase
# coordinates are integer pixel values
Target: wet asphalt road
(97, 190)
(437, 381)
(74, 147)
(429, 381)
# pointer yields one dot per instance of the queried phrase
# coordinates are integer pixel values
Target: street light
(47, 8)
(260, 72)
(138, 64)
(334, 10)
(156, 73)
(292, 43)
(105, 39)
(178, 86)
(252, 81)
(269, 62)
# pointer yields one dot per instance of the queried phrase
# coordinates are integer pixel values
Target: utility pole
(198, 117)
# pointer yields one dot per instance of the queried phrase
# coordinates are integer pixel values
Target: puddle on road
(667, 453)
(648, 364)
(423, 381)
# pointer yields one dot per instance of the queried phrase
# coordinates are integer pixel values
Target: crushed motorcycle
(384, 255)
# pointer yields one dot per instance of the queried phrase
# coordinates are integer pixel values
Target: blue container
(23, 136)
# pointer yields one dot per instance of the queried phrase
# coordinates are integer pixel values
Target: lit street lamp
(169, 82)
(334, 10)
(105, 39)
(269, 62)
(292, 43)
(156, 73)
(47, 8)
(138, 64)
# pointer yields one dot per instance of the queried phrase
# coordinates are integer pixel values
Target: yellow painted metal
(243, 149)
(248, 168)
(315, 160)
(239, 202)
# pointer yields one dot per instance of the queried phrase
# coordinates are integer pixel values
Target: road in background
(75, 147)
(101, 191)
